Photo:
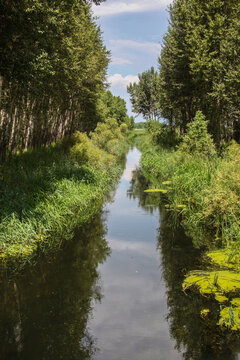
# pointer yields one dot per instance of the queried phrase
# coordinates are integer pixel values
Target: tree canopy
(199, 70)
(200, 66)
(52, 69)
(144, 95)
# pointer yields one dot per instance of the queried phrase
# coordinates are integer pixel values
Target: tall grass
(47, 193)
(206, 191)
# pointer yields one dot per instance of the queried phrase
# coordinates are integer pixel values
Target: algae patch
(164, 191)
(221, 284)
(211, 282)
(225, 258)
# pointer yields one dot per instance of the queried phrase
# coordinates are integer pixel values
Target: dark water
(114, 291)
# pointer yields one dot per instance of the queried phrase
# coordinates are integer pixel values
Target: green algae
(164, 191)
(220, 298)
(211, 282)
(230, 318)
(168, 182)
(220, 284)
(236, 302)
(224, 258)
(204, 313)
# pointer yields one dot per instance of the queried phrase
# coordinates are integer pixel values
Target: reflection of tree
(44, 313)
(201, 340)
(148, 201)
(195, 338)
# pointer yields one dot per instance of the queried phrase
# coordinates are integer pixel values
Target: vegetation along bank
(47, 193)
(193, 156)
(61, 133)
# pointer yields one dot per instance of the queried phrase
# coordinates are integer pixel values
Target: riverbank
(47, 193)
(205, 192)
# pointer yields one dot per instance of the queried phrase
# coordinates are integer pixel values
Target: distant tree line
(199, 69)
(52, 71)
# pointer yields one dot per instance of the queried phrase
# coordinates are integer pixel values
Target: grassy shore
(46, 193)
(205, 192)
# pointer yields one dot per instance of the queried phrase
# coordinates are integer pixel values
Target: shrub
(161, 134)
(197, 140)
(123, 128)
(105, 132)
(84, 151)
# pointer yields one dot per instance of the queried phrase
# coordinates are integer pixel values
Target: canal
(114, 291)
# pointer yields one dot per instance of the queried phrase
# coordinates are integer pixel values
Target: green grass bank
(48, 192)
(202, 186)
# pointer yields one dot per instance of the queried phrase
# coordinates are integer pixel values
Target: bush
(161, 134)
(197, 140)
(123, 128)
(84, 151)
(105, 133)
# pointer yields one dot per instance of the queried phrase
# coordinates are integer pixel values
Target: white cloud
(131, 6)
(145, 46)
(119, 61)
(117, 80)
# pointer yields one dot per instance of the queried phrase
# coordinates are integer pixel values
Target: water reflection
(44, 313)
(134, 310)
(130, 322)
(195, 339)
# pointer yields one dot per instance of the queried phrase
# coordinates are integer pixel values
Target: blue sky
(133, 31)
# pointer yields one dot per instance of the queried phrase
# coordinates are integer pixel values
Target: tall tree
(144, 95)
(200, 66)
(52, 69)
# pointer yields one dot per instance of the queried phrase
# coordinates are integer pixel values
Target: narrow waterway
(114, 291)
(130, 321)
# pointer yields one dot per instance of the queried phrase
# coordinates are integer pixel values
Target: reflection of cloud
(144, 46)
(122, 81)
(127, 175)
(120, 61)
(131, 6)
(143, 248)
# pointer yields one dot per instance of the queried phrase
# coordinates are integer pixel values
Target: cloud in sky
(132, 6)
(117, 80)
(145, 46)
(119, 61)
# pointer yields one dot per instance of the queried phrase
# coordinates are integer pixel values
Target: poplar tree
(200, 66)
(52, 69)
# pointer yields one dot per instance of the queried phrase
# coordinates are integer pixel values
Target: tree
(52, 70)
(144, 95)
(200, 66)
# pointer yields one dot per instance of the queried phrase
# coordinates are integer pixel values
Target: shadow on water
(196, 339)
(44, 313)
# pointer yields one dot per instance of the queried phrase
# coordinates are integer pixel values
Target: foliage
(197, 141)
(123, 128)
(144, 95)
(47, 192)
(107, 135)
(140, 125)
(84, 151)
(161, 134)
(205, 192)
(111, 106)
(52, 71)
(199, 66)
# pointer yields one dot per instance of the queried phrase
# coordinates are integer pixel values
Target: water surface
(114, 291)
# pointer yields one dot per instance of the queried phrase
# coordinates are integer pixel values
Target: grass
(46, 194)
(204, 190)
